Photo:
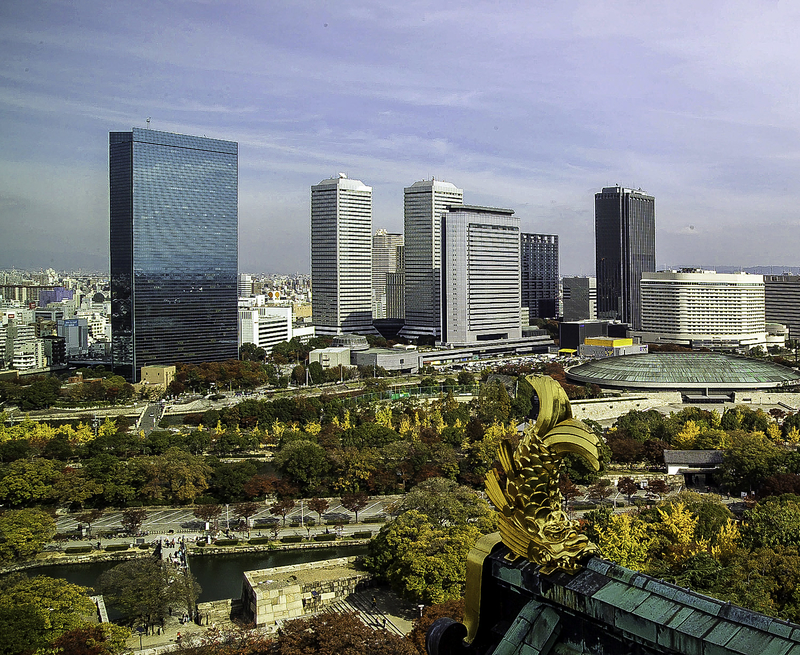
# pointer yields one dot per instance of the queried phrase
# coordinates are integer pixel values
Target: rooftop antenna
(148, 122)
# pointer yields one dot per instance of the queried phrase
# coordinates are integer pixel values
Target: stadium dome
(700, 370)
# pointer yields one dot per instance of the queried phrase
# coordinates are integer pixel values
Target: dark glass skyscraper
(174, 249)
(625, 247)
(539, 259)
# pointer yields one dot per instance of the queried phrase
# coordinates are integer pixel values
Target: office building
(174, 249)
(579, 295)
(480, 275)
(265, 326)
(385, 261)
(396, 288)
(539, 270)
(782, 301)
(424, 202)
(244, 285)
(703, 309)
(341, 256)
(625, 247)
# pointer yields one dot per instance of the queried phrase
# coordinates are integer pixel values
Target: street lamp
(227, 516)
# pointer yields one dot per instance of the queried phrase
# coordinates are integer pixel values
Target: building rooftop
(700, 370)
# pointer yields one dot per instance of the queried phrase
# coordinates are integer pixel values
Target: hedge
(113, 547)
(226, 542)
(72, 550)
(378, 518)
(255, 541)
(291, 540)
(364, 534)
(324, 537)
(580, 506)
(143, 546)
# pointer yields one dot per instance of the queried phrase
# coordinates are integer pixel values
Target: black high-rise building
(539, 260)
(174, 249)
(625, 247)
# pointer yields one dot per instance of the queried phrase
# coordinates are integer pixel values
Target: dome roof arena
(701, 370)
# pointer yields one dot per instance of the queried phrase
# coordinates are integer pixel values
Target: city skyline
(532, 107)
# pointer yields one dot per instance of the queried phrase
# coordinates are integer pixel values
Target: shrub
(74, 550)
(378, 518)
(363, 534)
(257, 541)
(116, 547)
(226, 542)
(324, 537)
(143, 546)
(291, 540)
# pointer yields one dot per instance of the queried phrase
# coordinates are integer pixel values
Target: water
(220, 576)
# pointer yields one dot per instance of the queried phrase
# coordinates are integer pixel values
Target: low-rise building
(599, 347)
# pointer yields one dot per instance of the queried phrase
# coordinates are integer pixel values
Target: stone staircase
(372, 618)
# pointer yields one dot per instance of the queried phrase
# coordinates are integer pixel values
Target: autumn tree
(207, 513)
(658, 486)
(355, 502)
(90, 517)
(627, 487)
(625, 540)
(319, 505)
(132, 519)
(246, 510)
(282, 508)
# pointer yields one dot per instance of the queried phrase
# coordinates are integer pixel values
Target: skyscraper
(424, 203)
(341, 256)
(174, 249)
(539, 258)
(625, 247)
(385, 258)
(481, 275)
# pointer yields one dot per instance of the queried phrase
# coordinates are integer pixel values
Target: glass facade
(539, 257)
(625, 247)
(174, 249)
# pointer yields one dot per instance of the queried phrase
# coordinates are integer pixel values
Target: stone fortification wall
(287, 592)
(599, 409)
(767, 398)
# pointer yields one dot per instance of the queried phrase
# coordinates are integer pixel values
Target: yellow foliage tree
(793, 436)
(727, 542)
(685, 439)
(109, 428)
(383, 416)
(626, 541)
(313, 428)
(678, 525)
(774, 433)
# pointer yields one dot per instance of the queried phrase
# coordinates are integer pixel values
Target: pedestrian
(374, 603)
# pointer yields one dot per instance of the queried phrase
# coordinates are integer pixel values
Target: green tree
(24, 532)
(305, 461)
(143, 590)
(775, 521)
(493, 403)
(176, 475)
(444, 502)
(751, 459)
(25, 482)
(74, 488)
(36, 611)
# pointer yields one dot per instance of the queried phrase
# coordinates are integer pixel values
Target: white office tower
(424, 203)
(341, 256)
(481, 275)
(244, 285)
(385, 259)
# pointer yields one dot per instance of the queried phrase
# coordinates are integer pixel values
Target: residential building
(703, 309)
(539, 275)
(625, 247)
(424, 203)
(579, 295)
(480, 275)
(782, 301)
(341, 256)
(385, 260)
(174, 249)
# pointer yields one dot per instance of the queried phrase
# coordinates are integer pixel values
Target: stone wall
(287, 592)
(599, 409)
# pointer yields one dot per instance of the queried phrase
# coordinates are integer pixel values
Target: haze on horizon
(533, 106)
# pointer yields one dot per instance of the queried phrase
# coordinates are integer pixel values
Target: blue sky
(529, 105)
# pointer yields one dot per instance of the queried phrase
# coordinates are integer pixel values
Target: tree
(451, 609)
(319, 505)
(335, 634)
(132, 519)
(444, 502)
(24, 532)
(600, 490)
(355, 502)
(103, 639)
(282, 508)
(90, 517)
(627, 487)
(28, 481)
(493, 403)
(748, 462)
(175, 475)
(774, 521)
(658, 486)
(207, 513)
(305, 461)
(246, 510)
(142, 590)
(624, 540)
(74, 488)
(36, 611)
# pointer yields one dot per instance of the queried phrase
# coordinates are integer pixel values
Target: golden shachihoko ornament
(532, 522)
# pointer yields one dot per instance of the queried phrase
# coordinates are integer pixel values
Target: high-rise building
(396, 288)
(424, 203)
(703, 309)
(580, 298)
(625, 247)
(341, 256)
(782, 299)
(481, 275)
(244, 285)
(174, 249)
(385, 257)
(539, 259)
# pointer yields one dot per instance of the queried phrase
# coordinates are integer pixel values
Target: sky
(531, 105)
